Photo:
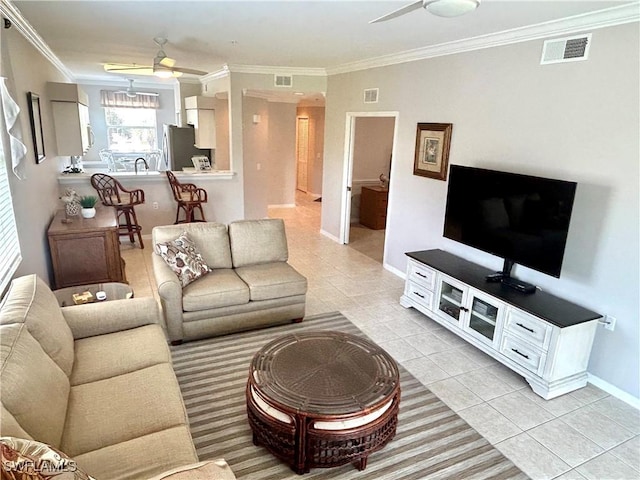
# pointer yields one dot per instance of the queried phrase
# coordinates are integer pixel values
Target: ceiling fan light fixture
(451, 8)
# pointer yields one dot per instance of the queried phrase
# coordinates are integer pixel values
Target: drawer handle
(421, 275)
(418, 294)
(520, 353)
(526, 328)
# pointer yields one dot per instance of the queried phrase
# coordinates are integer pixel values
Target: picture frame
(35, 118)
(433, 141)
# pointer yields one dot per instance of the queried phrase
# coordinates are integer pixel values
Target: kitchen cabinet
(85, 250)
(70, 109)
(201, 115)
(544, 338)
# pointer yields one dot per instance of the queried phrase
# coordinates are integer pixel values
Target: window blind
(9, 242)
(109, 98)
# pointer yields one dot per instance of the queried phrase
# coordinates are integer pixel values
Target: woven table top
(325, 373)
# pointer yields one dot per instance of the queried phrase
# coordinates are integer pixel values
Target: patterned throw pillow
(184, 259)
(31, 460)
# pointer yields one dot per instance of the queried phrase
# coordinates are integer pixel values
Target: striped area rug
(432, 441)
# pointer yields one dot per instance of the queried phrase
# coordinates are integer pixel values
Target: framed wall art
(35, 118)
(433, 141)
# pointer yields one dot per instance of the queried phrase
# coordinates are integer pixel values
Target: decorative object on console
(35, 117)
(433, 141)
(184, 259)
(88, 204)
(71, 202)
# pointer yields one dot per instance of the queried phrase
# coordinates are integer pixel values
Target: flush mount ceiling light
(441, 8)
(451, 8)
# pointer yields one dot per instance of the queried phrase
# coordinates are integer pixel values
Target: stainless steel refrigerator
(178, 147)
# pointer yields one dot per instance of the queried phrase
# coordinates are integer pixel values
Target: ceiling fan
(130, 92)
(163, 66)
(441, 8)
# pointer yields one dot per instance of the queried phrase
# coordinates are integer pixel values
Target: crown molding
(209, 77)
(271, 70)
(11, 12)
(588, 21)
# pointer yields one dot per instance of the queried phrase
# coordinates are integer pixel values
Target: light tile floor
(586, 434)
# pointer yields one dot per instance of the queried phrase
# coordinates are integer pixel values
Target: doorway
(370, 140)
(302, 154)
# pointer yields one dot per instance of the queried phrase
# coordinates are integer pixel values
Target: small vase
(88, 212)
(72, 208)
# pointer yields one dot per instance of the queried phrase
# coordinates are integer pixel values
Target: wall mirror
(36, 126)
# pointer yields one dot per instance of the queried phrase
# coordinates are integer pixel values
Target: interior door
(302, 153)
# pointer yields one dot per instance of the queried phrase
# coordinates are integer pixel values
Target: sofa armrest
(93, 319)
(170, 292)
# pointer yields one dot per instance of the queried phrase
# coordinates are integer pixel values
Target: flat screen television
(521, 218)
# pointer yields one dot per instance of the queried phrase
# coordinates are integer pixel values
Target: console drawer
(523, 354)
(419, 294)
(530, 329)
(422, 275)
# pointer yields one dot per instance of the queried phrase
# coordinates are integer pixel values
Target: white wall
(575, 121)
(255, 147)
(35, 199)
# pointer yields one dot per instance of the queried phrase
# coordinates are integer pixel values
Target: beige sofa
(94, 381)
(251, 284)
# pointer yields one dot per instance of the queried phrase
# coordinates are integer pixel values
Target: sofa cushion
(211, 470)
(258, 241)
(20, 455)
(182, 255)
(221, 288)
(106, 356)
(210, 238)
(121, 408)
(30, 301)
(141, 457)
(34, 389)
(272, 280)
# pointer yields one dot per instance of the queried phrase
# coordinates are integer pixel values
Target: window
(10, 258)
(131, 129)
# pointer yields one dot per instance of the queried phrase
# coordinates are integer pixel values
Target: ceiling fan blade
(167, 62)
(130, 69)
(189, 70)
(401, 11)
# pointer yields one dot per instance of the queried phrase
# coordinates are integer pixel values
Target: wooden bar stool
(113, 194)
(189, 197)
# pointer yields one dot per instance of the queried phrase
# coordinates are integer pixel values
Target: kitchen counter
(145, 177)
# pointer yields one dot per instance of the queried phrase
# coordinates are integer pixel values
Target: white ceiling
(206, 35)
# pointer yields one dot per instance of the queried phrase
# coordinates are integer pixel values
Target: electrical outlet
(258, 166)
(155, 205)
(609, 322)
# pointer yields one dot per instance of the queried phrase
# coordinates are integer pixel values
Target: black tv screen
(521, 218)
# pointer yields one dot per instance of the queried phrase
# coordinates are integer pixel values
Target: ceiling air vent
(283, 80)
(568, 49)
(371, 95)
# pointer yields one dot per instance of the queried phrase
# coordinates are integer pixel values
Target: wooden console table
(86, 250)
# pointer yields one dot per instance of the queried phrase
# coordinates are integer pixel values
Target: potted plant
(88, 204)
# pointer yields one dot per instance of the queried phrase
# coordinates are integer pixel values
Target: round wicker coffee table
(322, 399)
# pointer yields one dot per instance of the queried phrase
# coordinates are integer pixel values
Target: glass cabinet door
(483, 318)
(450, 301)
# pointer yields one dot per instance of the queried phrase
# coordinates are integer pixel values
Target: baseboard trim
(328, 235)
(395, 271)
(613, 390)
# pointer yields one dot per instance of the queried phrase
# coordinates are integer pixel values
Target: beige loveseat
(251, 284)
(94, 381)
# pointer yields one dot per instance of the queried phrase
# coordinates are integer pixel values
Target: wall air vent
(568, 49)
(283, 80)
(371, 95)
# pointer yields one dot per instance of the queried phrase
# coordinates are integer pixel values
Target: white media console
(544, 338)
